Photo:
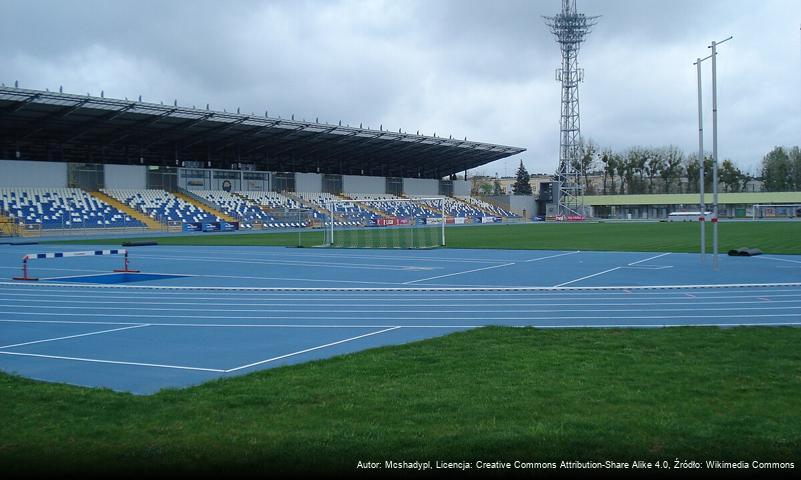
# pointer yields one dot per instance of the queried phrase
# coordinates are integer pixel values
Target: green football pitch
(770, 237)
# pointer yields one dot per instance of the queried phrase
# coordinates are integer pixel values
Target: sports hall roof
(44, 125)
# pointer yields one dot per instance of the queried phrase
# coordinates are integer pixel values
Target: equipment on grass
(91, 253)
(417, 223)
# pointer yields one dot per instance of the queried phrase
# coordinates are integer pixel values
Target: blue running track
(223, 311)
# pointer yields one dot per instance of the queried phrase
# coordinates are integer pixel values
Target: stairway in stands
(312, 206)
(203, 206)
(364, 204)
(151, 223)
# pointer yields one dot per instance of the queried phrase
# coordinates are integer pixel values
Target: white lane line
(290, 263)
(483, 309)
(588, 276)
(113, 362)
(611, 270)
(647, 259)
(779, 259)
(458, 273)
(382, 317)
(74, 336)
(463, 326)
(246, 298)
(400, 289)
(411, 303)
(551, 256)
(310, 349)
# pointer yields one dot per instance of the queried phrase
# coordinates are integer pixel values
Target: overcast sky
(480, 69)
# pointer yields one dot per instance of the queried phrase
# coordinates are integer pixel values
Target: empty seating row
(55, 208)
(161, 205)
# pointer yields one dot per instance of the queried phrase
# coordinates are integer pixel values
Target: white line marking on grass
(113, 362)
(551, 256)
(458, 273)
(310, 349)
(74, 336)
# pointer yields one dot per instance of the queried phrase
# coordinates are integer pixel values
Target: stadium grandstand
(82, 162)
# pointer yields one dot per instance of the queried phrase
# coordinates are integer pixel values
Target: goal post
(409, 223)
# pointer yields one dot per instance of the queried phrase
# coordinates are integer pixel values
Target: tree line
(669, 170)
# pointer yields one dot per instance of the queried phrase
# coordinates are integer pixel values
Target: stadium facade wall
(461, 187)
(359, 184)
(522, 203)
(421, 186)
(125, 176)
(20, 173)
(308, 182)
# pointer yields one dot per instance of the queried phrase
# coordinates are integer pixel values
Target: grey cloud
(474, 68)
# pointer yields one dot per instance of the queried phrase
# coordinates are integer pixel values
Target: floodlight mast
(570, 27)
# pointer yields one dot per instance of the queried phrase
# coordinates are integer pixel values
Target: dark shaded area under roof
(42, 125)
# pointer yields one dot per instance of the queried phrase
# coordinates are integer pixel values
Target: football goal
(386, 223)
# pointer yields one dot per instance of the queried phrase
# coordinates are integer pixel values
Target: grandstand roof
(44, 125)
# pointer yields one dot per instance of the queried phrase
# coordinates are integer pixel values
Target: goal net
(768, 212)
(386, 223)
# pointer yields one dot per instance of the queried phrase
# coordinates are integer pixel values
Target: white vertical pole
(443, 221)
(702, 217)
(331, 219)
(714, 159)
(715, 155)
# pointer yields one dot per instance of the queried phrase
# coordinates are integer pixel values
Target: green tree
(496, 187)
(670, 168)
(731, 176)
(522, 185)
(693, 169)
(795, 168)
(654, 164)
(776, 171)
(585, 162)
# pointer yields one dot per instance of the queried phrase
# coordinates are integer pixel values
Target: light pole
(715, 153)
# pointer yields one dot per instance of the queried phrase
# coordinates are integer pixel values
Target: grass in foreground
(771, 237)
(491, 394)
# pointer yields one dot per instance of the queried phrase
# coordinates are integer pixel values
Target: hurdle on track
(89, 253)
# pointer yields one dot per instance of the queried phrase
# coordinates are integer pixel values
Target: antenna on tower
(569, 27)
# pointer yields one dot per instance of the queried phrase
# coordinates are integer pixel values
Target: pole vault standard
(90, 253)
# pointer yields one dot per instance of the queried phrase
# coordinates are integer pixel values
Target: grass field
(770, 237)
(487, 394)
(492, 393)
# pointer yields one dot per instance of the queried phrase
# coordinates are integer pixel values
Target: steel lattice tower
(570, 27)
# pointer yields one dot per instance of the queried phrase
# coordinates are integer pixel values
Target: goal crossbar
(359, 214)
